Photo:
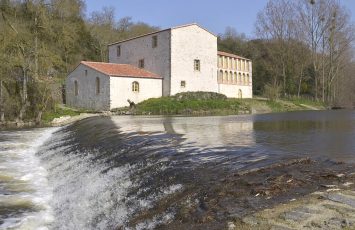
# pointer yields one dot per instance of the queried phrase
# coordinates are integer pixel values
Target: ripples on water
(105, 173)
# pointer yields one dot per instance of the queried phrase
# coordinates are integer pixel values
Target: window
(86, 72)
(97, 86)
(118, 51)
(183, 84)
(154, 41)
(220, 76)
(135, 86)
(225, 77)
(197, 66)
(141, 63)
(76, 88)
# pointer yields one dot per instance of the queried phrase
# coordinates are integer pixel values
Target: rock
(251, 220)
(295, 216)
(347, 184)
(231, 226)
(60, 119)
(342, 199)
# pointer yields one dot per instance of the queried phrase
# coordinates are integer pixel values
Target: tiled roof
(230, 55)
(120, 70)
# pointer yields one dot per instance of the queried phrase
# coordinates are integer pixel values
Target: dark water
(135, 172)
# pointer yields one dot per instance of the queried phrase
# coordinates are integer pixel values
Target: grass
(59, 111)
(198, 103)
(302, 101)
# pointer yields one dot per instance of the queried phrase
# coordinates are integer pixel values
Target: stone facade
(173, 57)
(86, 95)
(89, 86)
(156, 59)
(190, 44)
(121, 90)
(179, 59)
(234, 76)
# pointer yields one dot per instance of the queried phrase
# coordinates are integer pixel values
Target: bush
(272, 92)
(199, 96)
(191, 103)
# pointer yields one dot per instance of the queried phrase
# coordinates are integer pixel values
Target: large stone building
(162, 63)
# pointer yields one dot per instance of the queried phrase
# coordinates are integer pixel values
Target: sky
(212, 15)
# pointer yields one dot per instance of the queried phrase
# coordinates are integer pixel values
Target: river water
(135, 172)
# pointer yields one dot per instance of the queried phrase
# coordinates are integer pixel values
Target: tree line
(41, 41)
(302, 49)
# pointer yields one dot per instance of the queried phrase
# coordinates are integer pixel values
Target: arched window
(248, 79)
(76, 90)
(235, 78)
(220, 76)
(135, 86)
(225, 77)
(230, 79)
(244, 81)
(240, 94)
(240, 78)
(97, 86)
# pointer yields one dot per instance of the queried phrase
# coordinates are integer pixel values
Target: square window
(154, 41)
(183, 84)
(197, 66)
(118, 51)
(141, 63)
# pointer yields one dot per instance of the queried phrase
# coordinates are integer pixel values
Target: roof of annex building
(221, 53)
(120, 70)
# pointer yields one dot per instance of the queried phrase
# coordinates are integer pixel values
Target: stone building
(104, 86)
(178, 59)
(234, 76)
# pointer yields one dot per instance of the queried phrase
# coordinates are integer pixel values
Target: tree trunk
(39, 117)
(300, 83)
(2, 109)
(24, 102)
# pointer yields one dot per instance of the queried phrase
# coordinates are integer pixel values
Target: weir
(145, 172)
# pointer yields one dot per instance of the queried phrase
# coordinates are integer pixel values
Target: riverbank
(62, 115)
(216, 106)
(169, 106)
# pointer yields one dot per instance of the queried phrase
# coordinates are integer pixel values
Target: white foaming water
(24, 190)
(84, 197)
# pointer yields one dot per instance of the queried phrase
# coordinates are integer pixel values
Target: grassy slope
(201, 105)
(59, 111)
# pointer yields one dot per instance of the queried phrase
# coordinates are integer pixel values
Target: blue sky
(213, 15)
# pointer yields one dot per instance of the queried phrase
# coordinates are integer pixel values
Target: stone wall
(121, 90)
(156, 59)
(187, 44)
(87, 96)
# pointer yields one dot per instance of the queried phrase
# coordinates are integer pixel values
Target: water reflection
(197, 131)
(325, 134)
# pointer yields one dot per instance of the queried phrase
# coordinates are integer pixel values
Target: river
(145, 172)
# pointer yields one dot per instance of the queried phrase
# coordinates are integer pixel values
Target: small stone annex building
(162, 63)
